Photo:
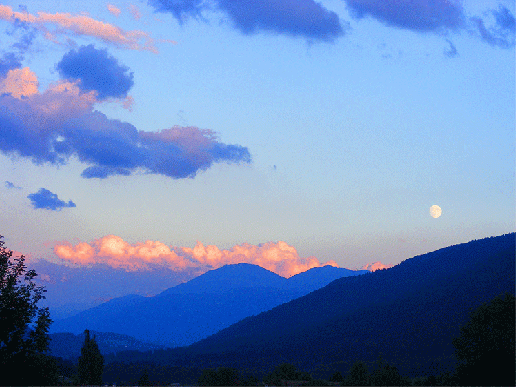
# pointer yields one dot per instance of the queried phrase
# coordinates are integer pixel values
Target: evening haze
(143, 143)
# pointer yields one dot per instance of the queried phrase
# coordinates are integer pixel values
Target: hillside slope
(408, 313)
(194, 310)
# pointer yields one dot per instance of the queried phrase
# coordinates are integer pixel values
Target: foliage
(358, 375)
(222, 376)
(23, 325)
(485, 347)
(144, 379)
(91, 362)
(249, 380)
(318, 382)
(337, 377)
(284, 372)
(386, 375)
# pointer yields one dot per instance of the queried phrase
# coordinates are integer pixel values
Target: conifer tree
(91, 362)
(485, 347)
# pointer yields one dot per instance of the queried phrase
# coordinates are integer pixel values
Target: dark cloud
(25, 41)
(305, 18)
(502, 34)
(9, 61)
(23, 32)
(110, 147)
(97, 71)
(102, 172)
(451, 52)
(11, 185)
(439, 16)
(181, 9)
(47, 200)
(418, 15)
(504, 19)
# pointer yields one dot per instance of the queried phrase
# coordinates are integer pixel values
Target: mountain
(229, 278)
(198, 308)
(319, 277)
(408, 314)
(68, 345)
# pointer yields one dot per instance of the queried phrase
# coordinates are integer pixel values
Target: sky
(145, 142)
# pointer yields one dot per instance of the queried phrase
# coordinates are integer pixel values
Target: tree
(386, 375)
(358, 375)
(222, 376)
(285, 372)
(23, 325)
(144, 379)
(485, 347)
(337, 377)
(91, 362)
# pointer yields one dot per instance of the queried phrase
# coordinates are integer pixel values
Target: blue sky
(332, 126)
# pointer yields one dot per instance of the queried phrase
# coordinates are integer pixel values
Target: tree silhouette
(358, 375)
(337, 377)
(222, 376)
(386, 374)
(23, 325)
(91, 362)
(285, 372)
(485, 347)
(144, 379)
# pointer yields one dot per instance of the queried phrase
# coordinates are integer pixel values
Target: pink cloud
(113, 251)
(65, 23)
(61, 122)
(113, 10)
(19, 83)
(128, 103)
(81, 254)
(43, 111)
(135, 11)
(375, 266)
(46, 278)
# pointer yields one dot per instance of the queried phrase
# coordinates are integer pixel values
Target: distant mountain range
(68, 345)
(189, 312)
(408, 314)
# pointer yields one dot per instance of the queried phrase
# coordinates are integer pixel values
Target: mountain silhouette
(68, 346)
(408, 314)
(194, 310)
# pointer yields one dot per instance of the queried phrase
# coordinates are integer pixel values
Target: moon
(435, 211)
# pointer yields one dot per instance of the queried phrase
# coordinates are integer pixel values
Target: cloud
(502, 33)
(451, 52)
(305, 18)
(96, 70)
(418, 15)
(9, 61)
(504, 19)
(27, 37)
(437, 16)
(113, 10)
(279, 257)
(133, 9)
(19, 83)
(113, 251)
(60, 123)
(375, 266)
(65, 23)
(11, 185)
(48, 200)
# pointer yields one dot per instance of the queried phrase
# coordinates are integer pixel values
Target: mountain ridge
(188, 312)
(355, 317)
